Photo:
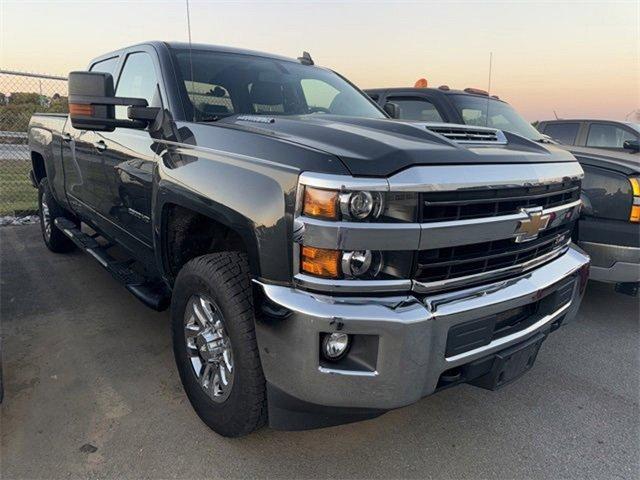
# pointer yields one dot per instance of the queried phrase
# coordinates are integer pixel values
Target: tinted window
(489, 112)
(210, 99)
(416, 109)
(563, 132)
(237, 83)
(608, 135)
(138, 80)
(107, 66)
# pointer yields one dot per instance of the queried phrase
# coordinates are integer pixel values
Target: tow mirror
(92, 103)
(632, 145)
(392, 109)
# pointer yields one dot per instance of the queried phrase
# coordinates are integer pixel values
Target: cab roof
(196, 46)
(437, 91)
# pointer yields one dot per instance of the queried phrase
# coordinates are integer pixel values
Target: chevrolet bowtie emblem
(529, 228)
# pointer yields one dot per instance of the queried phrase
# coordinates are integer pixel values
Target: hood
(381, 147)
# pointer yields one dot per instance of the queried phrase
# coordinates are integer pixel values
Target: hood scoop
(468, 134)
(256, 119)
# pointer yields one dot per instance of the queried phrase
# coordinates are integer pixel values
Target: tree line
(16, 108)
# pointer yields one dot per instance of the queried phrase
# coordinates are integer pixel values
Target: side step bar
(153, 294)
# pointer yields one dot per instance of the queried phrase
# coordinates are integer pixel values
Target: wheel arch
(189, 229)
(38, 166)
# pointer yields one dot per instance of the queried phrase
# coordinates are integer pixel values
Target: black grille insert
(461, 204)
(451, 262)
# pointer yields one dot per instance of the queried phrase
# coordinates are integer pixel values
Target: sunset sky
(581, 59)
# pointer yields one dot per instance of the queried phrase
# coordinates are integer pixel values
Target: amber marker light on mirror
(635, 207)
(320, 203)
(81, 109)
(320, 262)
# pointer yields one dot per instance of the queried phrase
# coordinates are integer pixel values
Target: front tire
(49, 209)
(214, 343)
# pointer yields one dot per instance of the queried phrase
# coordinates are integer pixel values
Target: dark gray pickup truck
(322, 263)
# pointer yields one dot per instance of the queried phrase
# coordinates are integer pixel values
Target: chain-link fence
(21, 95)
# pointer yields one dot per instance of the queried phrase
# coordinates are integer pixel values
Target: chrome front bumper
(412, 336)
(613, 263)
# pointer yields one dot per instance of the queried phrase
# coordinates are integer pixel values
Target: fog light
(335, 345)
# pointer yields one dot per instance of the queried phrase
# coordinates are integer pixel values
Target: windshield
(226, 84)
(489, 112)
(635, 126)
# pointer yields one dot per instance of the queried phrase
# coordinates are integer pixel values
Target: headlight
(326, 263)
(356, 264)
(361, 264)
(359, 206)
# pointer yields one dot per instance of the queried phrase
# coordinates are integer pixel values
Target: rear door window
(608, 135)
(564, 133)
(416, 109)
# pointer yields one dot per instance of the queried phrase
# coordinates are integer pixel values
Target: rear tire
(49, 209)
(227, 392)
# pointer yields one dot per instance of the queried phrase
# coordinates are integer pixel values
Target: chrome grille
(461, 204)
(476, 213)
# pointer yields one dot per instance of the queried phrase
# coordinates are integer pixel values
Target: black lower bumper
(289, 413)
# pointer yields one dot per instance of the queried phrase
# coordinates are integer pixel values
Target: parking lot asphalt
(91, 390)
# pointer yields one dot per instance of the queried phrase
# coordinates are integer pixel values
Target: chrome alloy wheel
(46, 218)
(209, 347)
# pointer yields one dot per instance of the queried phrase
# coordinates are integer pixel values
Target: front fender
(252, 197)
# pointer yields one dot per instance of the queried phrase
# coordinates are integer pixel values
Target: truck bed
(53, 122)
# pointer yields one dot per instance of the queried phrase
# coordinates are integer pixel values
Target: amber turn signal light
(81, 109)
(320, 203)
(320, 262)
(635, 207)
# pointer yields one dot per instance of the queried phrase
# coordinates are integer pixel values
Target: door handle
(100, 146)
(66, 137)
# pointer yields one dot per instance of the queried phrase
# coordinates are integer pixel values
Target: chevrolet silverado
(322, 263)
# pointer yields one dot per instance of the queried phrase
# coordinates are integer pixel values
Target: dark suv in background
(470, 106)
(608, 227)
(606, 134)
